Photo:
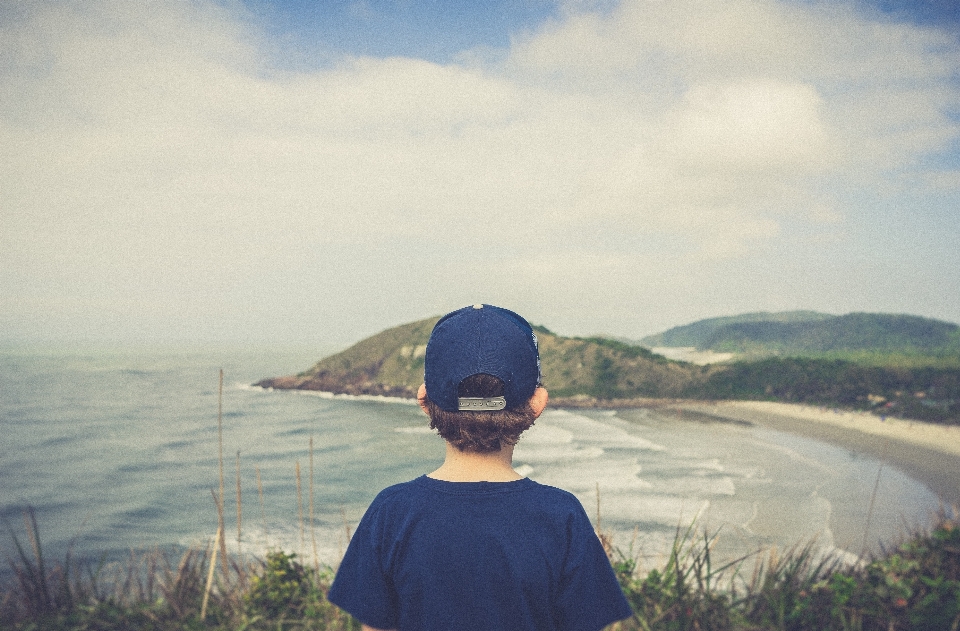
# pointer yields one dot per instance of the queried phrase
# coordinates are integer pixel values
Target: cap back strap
(481, 404)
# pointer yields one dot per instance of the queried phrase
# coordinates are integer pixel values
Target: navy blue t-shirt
(431, 555)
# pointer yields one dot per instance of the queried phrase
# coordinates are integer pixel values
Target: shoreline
(927, 452)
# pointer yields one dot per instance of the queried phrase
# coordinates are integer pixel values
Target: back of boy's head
(481, 368)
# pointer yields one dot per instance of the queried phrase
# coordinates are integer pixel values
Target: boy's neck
(469, 466)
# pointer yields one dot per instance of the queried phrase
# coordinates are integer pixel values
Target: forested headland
(897, 365)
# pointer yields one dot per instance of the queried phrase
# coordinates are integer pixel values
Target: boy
(474, 545)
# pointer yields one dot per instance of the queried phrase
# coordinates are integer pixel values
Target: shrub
(286, 592)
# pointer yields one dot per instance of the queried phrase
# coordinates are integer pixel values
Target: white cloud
(752, 126)
(151, 157)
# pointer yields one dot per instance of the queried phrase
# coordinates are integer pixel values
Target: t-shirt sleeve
(590, 596)
(361, 588)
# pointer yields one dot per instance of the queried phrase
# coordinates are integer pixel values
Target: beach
(928, 452)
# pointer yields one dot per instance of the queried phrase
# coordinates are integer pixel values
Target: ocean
(118, 450)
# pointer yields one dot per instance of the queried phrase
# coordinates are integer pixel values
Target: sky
(311, 172)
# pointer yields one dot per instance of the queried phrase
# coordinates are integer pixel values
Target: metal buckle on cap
(481, 404)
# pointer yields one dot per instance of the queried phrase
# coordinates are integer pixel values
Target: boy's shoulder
(425, 483)
(427, 490)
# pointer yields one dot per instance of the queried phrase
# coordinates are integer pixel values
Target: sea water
(119, 450)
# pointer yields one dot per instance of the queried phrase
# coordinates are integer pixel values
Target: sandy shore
(927, 452)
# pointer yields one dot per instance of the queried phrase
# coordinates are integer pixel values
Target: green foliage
(154, 594)
(931, 394)
(901, 359)
(808, 334)
(918, 585)
(285, 589)
(684, 594)
(623, 349)
(697, 333)
(914, 587)
(785, 592)
(605, 379)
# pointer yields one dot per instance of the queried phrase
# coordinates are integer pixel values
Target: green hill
(696, 333)
(391, 363)
(604, 372)
(872, 338)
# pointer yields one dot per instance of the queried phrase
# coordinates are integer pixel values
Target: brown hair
(482, 432)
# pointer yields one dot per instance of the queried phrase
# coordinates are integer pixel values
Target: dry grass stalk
(181, 589)
(213, 564)
(33, 533)
(873, 499)
(36, 596)
(222, 540)
(313, 532)
(598, 507)
(346, 530)
(241, 574)
(605, 538)
(303, 539)
(239, 506)
(221, 524)
(263, 508)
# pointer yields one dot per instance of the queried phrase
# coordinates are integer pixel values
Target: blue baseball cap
(481, 339)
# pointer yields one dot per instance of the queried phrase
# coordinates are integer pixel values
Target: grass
(914, 585)
(156, 592)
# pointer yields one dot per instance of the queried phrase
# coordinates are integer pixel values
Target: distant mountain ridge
(695, 333)
(809, 333)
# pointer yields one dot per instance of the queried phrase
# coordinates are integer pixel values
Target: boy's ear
(538, 402)
(422, 398)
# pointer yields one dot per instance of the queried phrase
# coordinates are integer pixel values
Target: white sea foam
(682, 464)
(697, 486)
(664, 510)
(323, 394)
(847, 558)
(524, 470)
(591, 430)
(418, 429)
(609, 473)
(555, 453)
(331, 542)
(793, 454)
(546, 434)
